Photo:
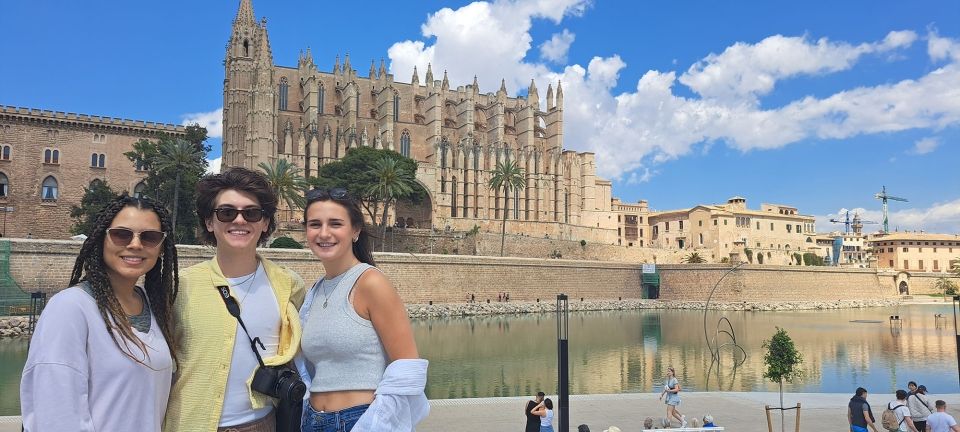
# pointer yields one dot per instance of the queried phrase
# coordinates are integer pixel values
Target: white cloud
(745, 71)
(938, 218)
(213, 165)
(925, 145)
(555, 49)
(631, 132)
(212, 120)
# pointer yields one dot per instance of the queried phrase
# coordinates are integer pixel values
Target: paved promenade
(734, 411)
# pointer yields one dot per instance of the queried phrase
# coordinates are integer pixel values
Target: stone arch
(902, 283)
(417, 215)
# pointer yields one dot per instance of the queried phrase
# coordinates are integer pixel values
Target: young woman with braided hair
(101, 357)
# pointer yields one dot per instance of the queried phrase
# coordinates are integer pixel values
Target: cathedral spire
(346, 64)
(503, 86)
(559, 95)
(416, 78)
(383, 69)
(533, 98)
(336, 65)
(245, 13)
(373, 70)
(445, 85)
(549, 97)
(429, 74)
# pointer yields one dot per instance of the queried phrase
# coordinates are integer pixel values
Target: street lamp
(563, 372)
(955, 304)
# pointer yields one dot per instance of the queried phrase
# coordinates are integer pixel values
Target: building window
(681, 225)
(405, 144)
(138, 190)
(93, 160)
(906, 249)
(396, 107)
(906, 265)
(789, 228)
(714, 222)
(701, 239)
(936, 265)
(284, 89)
(321, 95)
(5, 154)
(891, 263)
(666, 227)
(49, 191)
(758, 225)
(725, 221)
(98, 160)
(4, 185)
(798, 229)
(890, 250)
(921, 265)
(771, 226)
(920, 250)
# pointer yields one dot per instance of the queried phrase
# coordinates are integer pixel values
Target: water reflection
(627, 352)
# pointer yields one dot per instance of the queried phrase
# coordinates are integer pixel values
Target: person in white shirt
(101, 357)
(940, 421)
(899, 408)
(920, 407)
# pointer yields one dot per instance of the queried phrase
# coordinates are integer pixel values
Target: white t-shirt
(261, 314)
(77, 379)
(940, 422)
(902, 413)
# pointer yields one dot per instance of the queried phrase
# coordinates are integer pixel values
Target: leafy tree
(798, 258)
(174, 166)
(760, 258)
(946, 286)
(284, 242)
(749, 253)
(287, 182)
(782, 361)
(509, 177)
(393, 183)
(812, 259)
(694, 258)
(956, 267)
(95, 197)
(353, 173)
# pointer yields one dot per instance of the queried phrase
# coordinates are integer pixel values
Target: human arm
(539, 410)
(868, 419)
(54, 390)
(376, 299)
(908, 420)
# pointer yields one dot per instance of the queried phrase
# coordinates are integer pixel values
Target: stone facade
(47, 158)
(457, 134)
(916, 252)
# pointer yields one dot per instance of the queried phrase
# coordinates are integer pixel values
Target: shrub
(285, 243)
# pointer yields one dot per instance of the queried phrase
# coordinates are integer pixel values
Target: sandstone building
(48, 157)
(915, 252)
(457, 134)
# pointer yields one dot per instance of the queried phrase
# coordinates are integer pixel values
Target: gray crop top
(342, 346)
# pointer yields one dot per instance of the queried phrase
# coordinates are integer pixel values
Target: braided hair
(160, 282)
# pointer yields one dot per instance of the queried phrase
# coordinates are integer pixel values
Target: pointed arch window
(5, 154)
(516, 204)
(50, 189)
(4, 185)
(93, 160)
(139, 189)
(396, 107)
(321, 96)
(443, 154)
(284, 90)
(246, 48)
(405, 144)
(453, 198)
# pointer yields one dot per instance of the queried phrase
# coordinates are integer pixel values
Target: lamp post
(955, 304)
(563, 372)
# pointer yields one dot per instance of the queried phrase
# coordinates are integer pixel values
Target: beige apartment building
(770, 235)
(915, 252)
(457, 133)
(48, 157)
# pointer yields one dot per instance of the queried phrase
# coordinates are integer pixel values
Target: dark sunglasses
(337, 193)
(123, 236)
(229, 214)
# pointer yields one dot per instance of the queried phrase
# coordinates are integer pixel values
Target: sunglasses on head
(229, 214)
(334, 193)
(124, 236)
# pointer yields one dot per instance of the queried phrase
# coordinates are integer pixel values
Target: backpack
(889, 419)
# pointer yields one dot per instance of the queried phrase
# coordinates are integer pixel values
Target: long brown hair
(160, 283)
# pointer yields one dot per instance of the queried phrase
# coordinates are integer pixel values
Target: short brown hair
(241, 180)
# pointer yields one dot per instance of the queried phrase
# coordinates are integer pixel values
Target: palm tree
(286, 181)
(694, 258)
(392, 184)
(507, 177)
(181, 156)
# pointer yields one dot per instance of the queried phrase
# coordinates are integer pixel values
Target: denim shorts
(334, 421)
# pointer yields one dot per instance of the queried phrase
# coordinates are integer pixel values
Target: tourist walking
(544, 410)
(100, 358)
(920, 407)
(671, 389)
(215, 387)
(940, 421)
(533, 420)
(357, 339)
(899, 407)
(859, 414)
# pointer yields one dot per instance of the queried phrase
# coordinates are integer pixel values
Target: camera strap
(234, 309)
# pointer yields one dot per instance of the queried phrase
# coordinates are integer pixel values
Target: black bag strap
(234, 309)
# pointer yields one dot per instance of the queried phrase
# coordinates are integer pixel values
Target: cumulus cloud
(925, 145)
(212, 120)
(555, 49)
(213, 165)
(941, 217)
(632, 131)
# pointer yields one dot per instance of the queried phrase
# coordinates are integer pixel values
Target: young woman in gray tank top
(356, 333)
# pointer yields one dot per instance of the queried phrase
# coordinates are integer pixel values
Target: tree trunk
(781, 406)
(503, 226)
(176, 205)
(383, 226)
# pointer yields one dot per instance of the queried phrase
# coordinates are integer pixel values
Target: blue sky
(813, 104)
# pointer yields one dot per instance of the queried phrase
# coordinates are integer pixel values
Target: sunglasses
(337, 193)
(123, 236)
(229, 214)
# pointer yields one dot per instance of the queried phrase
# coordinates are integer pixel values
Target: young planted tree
(508, 177)
(694, 258)
(177, 158)
(782, 361)
(946, 286)
(95, 197)
(393, 183)
(287, 182)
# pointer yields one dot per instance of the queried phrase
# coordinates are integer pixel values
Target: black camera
(280, 382)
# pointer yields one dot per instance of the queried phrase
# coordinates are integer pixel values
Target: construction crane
(856, 222)
(884, 197)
